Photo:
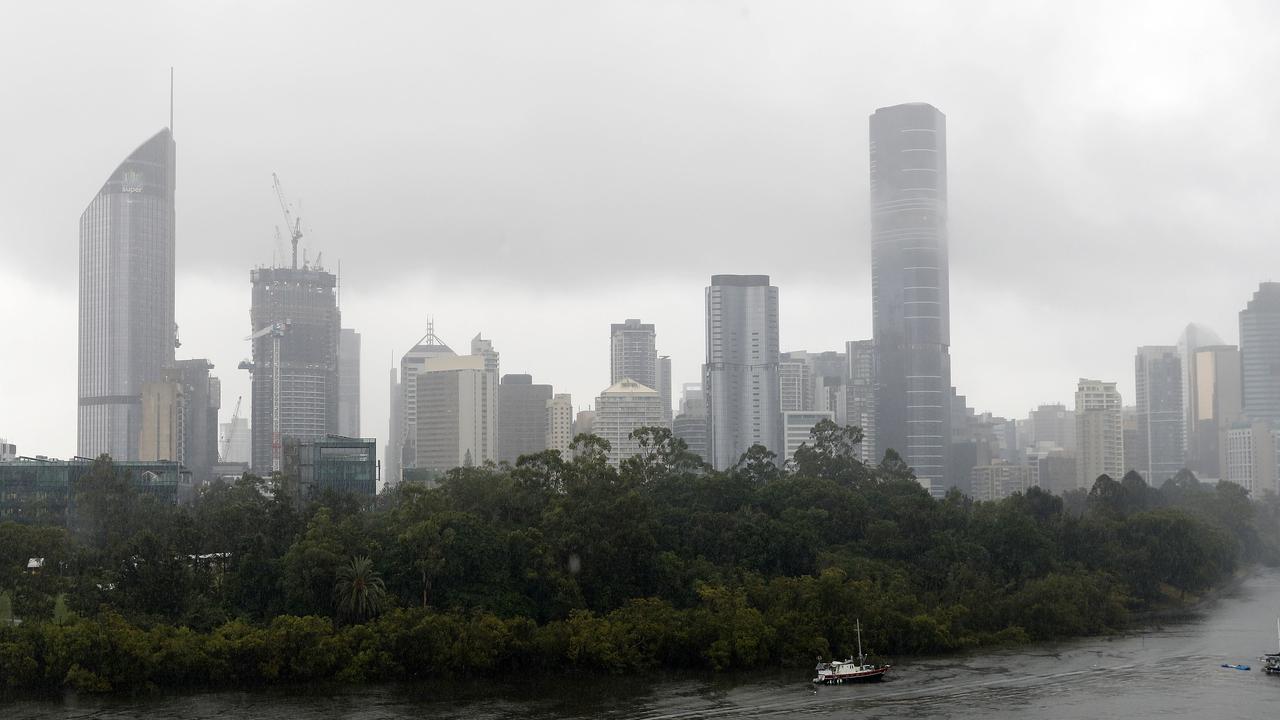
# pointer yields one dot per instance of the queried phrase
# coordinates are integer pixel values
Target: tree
(359, 592)
(832, 454)
(757, 465)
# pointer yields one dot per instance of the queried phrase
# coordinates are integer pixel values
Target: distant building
(304, 301)
(1135, 441)
(911, 314)
(633, 353)
(740, 375)
(456, 409)
(584, 423)
(559, 413)
(664, 386)
(797, 426)
(127, 332)
(349, 383)
(160, 436)
(622, 408)
(1194, 337)
(1259, 351)
(1053, 424)
(235, 437)
(1161, 419)
(200, 402)
(1057, 472)
(794, 384)
(402, 449)
(1099, 432)
(1000, 480)
(41, 490)
(484, 348)
(1215, 404)
(860, 397)
(333, 464)
(522, 417)
(691, 424)
(1250, 457)
(8, 451)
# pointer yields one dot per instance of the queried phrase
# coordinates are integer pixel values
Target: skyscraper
(1161, 423)
(740, 375)
(201, 400)
(303, 301)
(633, 353)
(457, 406)
(1215, 405)
(349, 383)
(127, 332)
(522, 417)
(1260, 355)
(860, 396)
(664, 386)
(691, 424)
(909, 287)
(401, 449)
(1099, 432)
(560, 423)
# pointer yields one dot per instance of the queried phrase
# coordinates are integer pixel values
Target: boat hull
(862, 676)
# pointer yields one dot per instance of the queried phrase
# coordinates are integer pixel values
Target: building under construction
(302, 304)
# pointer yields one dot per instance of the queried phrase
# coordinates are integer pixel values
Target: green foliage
(571, 564)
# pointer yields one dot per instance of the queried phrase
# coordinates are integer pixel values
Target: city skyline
(1008, 373)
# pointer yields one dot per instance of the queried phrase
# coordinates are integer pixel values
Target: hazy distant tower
(633, 353)
(1099, 432)
(1260, 355)
(127, 331)
(910, 308)
(740, 376)
(349, 383)
(1161, 423)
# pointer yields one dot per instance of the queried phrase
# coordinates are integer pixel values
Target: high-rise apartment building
(793, 384)
(633, 353)
(1260, 355)
(349, 383)
(127, 332)
(484, 348)
(522, 417)
(303, 302)
(456, 412)
(909, 287)
(1214, 406)
(1161, 420)
(1001, 479)
(560, 423)
(624, 407)
(1249, 456)
(740, 375)
(1099, 432)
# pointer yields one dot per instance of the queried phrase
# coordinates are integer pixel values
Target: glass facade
(909, 287)
(338, 464)
(126, 329)
(40, 491)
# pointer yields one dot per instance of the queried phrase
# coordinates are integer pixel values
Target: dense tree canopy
(573, 564)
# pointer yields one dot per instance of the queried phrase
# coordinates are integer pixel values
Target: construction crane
(276, 331)
(231, 431)
(293, 225)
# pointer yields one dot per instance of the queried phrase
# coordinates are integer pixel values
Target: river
(1168, 671)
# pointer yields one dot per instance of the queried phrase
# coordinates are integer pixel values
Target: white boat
(838, 672)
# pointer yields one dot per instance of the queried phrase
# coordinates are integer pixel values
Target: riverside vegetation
(559, 565)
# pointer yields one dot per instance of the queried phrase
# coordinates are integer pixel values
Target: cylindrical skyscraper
(127, 329)
(909, 296)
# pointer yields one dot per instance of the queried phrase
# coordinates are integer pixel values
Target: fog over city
(536, 171)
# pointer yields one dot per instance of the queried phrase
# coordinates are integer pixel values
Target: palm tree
(359, 593)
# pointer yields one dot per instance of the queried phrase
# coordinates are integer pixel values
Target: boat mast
(858, 626)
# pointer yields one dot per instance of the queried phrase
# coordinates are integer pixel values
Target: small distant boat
(838, 672)
(1271, 661)
(1235, 667)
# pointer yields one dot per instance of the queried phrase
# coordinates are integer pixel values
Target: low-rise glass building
(340, 464)
(40, 490)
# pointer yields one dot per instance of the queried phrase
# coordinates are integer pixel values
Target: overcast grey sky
(535, 170)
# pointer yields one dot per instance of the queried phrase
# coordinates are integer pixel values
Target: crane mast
(294, 225)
